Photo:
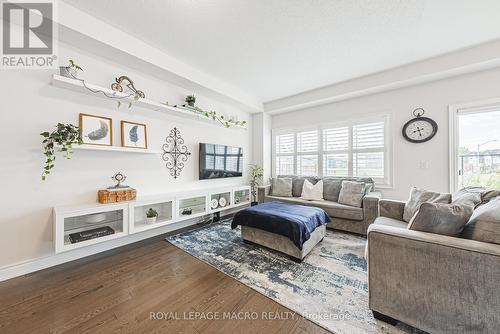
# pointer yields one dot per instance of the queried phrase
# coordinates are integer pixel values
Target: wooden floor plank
(117, 291)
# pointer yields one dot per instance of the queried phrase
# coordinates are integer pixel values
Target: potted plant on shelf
(62, 140)
(190, 100)
(71, 70)
(151, 216)
(256, 173)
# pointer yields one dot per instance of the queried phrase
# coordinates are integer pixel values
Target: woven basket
(106, 196)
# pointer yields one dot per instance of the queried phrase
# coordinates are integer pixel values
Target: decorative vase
(151, 220)
(67, 72)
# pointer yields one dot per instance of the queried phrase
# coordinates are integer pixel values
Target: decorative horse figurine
(117, 86)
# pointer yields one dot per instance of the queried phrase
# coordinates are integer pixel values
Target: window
(355, 148)
(307, 153)
(475, 145)
(336, 151)
(285, 150)
(368, 149)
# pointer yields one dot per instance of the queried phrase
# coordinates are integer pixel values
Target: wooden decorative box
(106, 196)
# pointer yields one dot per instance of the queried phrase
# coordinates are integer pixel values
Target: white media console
(126, 218)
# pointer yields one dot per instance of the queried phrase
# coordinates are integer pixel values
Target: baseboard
(30, 266)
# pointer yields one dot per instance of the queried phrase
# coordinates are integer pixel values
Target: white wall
(409, 160)
(262, 143)
(30, 105)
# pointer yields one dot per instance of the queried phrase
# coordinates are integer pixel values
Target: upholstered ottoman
(290, 229)
(283, 244)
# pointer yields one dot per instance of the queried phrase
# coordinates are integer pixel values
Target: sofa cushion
(419, 196)
(337, 210)
(331, 189)
(281, 187)
(468, 196)
(332, 186)
(352, 193)
(441, 218)
(484, 225)
(488, 195)
(312, 192)
(390, 222)
(298, 183)
(333, 209)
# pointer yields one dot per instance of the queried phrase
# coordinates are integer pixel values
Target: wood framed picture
(96, 130)
(134, 135)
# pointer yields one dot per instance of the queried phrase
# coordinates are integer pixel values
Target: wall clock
(419, 129)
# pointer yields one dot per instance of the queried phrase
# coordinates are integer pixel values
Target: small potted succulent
(190, 100)
(151, 216)
(71, 70)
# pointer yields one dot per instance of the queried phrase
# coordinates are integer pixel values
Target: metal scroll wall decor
(175, 153)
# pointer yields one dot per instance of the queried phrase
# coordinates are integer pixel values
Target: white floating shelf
(116, 149)
(78, 86)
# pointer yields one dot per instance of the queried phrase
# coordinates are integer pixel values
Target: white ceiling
(276, 48)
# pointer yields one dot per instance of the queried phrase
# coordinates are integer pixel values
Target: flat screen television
(220, 161)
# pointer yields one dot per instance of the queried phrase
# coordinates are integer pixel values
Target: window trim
(385, 182)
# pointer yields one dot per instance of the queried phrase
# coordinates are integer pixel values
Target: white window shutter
(368, 141)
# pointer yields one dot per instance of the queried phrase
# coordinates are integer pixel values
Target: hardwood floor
(148, 287)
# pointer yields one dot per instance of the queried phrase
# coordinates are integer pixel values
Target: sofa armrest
(370, 207)
(391, 209)
(262, 192)
(433, 282)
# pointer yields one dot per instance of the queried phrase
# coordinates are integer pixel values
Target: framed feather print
(134, 135)
(96, 130)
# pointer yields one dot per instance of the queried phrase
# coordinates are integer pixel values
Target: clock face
(419, 129)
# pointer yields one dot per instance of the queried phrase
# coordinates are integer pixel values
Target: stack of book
(90, 234)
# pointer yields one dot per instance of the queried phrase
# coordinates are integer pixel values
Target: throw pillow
(484, 225)
(368, 188)
(298, 184)
(468, 196)
(419, 196)
(282, 187)
(331, 189)
(312, 192)
(488, 195)
(352, 193)
(441, 218)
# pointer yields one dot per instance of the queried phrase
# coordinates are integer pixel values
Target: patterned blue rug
(329, 287)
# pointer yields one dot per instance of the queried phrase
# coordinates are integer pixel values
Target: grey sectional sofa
(436, 283)
(344, 217)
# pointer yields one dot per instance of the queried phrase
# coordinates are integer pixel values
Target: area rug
(329, 287)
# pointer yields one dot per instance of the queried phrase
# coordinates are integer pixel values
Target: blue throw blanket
(296, 222)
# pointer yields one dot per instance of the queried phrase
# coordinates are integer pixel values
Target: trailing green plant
(256, 174)
(151, 213)
(61, 140)
(136, 97)
(74, 65)
(227, 122)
